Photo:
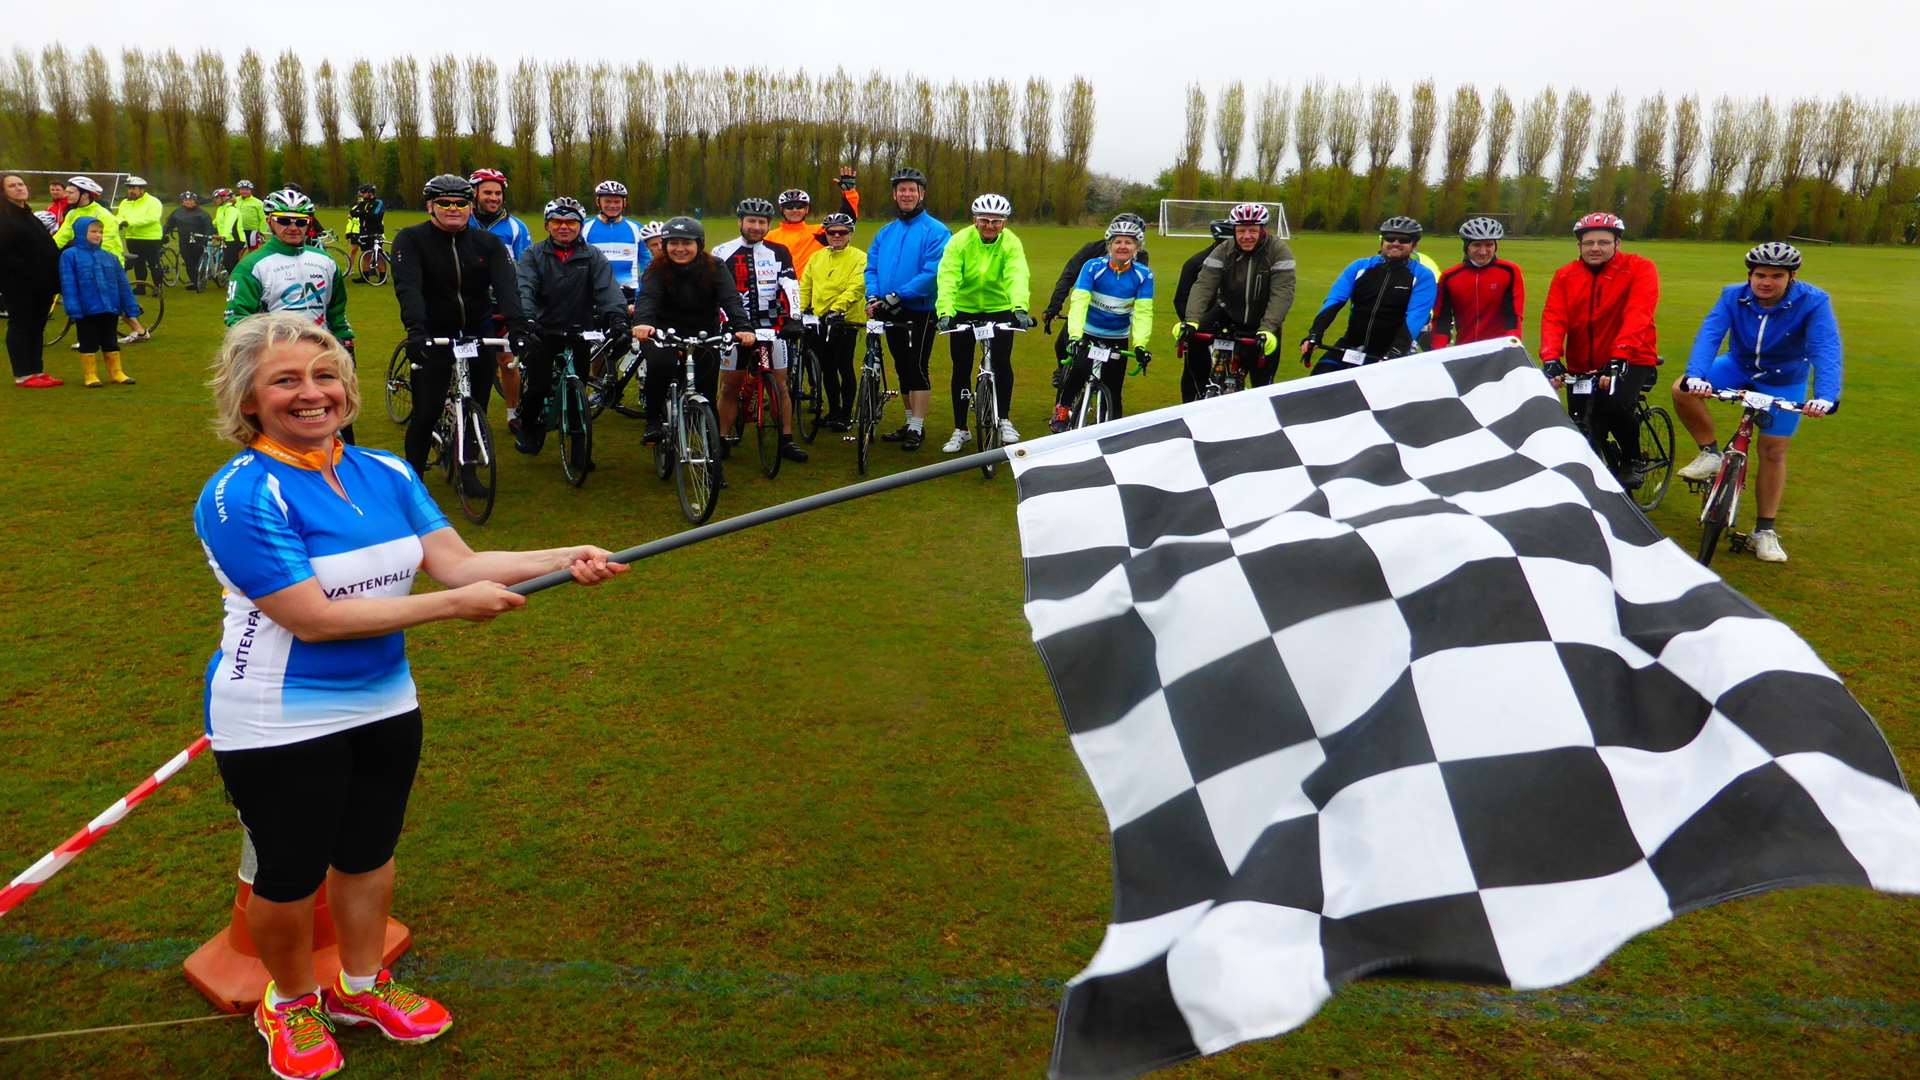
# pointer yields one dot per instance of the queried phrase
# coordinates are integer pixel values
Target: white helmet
(136, 181)
(1482, 228)
(610, 187)
(992, 206)
(47, 219)
(1248, 213)
(86, 184)
(651, 229)
(1126, 225)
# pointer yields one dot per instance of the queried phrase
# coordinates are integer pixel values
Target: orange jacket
(803, 238)
(1593, 317)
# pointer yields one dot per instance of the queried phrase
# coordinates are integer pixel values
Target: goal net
(1195, 217)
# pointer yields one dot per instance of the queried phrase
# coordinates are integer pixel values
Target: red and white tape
(37, 874)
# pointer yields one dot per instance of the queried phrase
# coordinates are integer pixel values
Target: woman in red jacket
(1599, 320)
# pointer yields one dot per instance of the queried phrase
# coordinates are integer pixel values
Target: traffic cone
(227, 968)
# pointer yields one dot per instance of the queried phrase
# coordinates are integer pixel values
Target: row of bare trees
(1841, 168)
(679, 138)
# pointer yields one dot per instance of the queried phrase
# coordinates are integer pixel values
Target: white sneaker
(1702, 467)
(957, 440)
(135, 337)
(1766, 546)
(1008, 433)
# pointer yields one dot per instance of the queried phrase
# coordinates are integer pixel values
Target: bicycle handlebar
(674, 339)
(437, 342)
(973, 327)
(1757, 401)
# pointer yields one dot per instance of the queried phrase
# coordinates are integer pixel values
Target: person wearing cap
(193, 225)
(140, 213)
(253, 213)
(87, 204)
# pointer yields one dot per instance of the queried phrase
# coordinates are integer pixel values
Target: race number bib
(1581, 386)
(467, 350)
(1353, 357)
(983, 331)
(1099, 353)
(764, 333)
(592, 337)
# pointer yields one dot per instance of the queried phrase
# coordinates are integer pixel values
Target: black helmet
(837, 220)
(753, 206)
(368, 189)
(906, 173)
(684, 228)
(1400, 223)
(1221, 229)
(449, 186)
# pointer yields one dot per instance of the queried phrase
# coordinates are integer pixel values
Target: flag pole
(783, 510)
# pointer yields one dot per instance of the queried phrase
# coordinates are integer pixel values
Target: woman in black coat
(29, 278)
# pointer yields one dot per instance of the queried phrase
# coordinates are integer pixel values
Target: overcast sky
(1139, 55)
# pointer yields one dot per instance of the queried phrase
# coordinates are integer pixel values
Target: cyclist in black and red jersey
(1484, 296)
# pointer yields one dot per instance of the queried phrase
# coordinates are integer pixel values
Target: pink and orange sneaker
(401, 1014)
(299, 1039)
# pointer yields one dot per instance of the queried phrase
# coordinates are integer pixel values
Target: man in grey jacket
(1245, 289)
(566, 286)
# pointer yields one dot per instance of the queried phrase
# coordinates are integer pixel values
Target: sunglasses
(1398, 239)
(839, 232)
(288, 221)
(451, 204)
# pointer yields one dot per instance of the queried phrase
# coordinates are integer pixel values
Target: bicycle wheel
(1656, 457)
(986, 420)
(172, 271)
(476, 450)
(151, 312)
(439, 452)
(399, 386)
(342, 258)
(1722, 499)
(375, 266)
(807, 395)
(698, 476)
(57, 324)
(576, 432)
(866, 417)
(1092, 406)
(766, 424)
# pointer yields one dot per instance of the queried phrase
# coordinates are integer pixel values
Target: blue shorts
(1727, 374)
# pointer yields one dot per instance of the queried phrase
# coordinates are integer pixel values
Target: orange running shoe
(401, 1014)
(299, 1039)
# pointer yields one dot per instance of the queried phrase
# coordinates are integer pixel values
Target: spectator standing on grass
(140, 213)
(29, 278)
(310, 702)
(97, 295)
(58, 200)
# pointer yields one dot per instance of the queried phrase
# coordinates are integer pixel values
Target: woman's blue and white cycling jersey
(267, 522)
(620, 242)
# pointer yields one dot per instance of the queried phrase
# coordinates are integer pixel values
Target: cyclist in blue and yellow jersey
(1070, 273)
(983, 277)
(902, 264)
(1112, 305)
(1392, 297)
(1244, 290)
(617, 237)
(490, 213)
(1778, 330)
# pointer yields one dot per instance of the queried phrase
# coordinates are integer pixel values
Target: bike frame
(686, 393)
(465, 351)
(1733, 461)
(983, 332)
(1225, 375)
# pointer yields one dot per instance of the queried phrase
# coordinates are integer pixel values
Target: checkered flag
(1383, 672)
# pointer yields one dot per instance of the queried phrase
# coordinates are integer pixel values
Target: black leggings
(231, 250)
(664, 367)
(430, 381)
(98, 333)
(910, 340)
(1113, 373)
(26, 333)
(191, 253)
(960, 347)
(836, 368)
(143, 259)
(1617, 412)
(539, 371)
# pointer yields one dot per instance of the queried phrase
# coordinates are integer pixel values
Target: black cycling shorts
(338, 800)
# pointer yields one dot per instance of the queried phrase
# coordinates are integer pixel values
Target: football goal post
(1195, 217)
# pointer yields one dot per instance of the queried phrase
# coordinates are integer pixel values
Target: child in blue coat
(94, 288)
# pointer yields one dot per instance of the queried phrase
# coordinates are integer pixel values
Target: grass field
(798, 802)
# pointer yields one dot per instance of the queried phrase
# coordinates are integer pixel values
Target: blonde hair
(238, 361)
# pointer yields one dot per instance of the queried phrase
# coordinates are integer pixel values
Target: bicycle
(1654, 465)
(566, 410)
(462, 437)
(1722, 499)
(369, 263)
(616, 372)
(983, 398)
(213, 263)
(173, 269)
(806, 382)
(1225, 375)
(759, 405)
(870, 395)
(1093, 405)
(399, 385)
(689, 444)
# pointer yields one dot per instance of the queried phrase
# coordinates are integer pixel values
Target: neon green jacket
(976, 276)
(110, 229)
(253, 213)
(141, 217)
(836, 281)
(226, 223)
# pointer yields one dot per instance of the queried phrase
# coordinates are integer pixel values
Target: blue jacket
(1776, 344)
(904, 258)
(92, 281)
(511, 231)
(1350, 286)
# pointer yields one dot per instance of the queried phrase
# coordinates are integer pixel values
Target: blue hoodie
(1775, 345)
(904, 258)
(92, 282)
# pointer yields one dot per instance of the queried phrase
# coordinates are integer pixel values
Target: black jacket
(1189, 273)
(689, 299)
(1096, 249)
(571, 293)
(1377, 322)
(29, 263)
(188, 223)
(453, 283)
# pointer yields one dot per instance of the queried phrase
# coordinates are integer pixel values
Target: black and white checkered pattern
(1382, 672)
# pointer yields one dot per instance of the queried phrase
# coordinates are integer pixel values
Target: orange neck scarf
(317, 460)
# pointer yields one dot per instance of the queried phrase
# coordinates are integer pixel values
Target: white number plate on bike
(1353, 358)
(1581, 386)
(810, 321)
(764, 333)
(1754, 399)
(983, 331)
(592, 337)
(467, 350)
(1099, 353)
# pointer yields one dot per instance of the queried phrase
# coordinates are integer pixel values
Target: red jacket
(1485, 301)
(1593, 317)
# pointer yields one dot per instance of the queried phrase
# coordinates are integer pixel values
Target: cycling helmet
(1481, 228)
(368, 189)
(1221, 229)
(650, 230)
(136, 181)
(185, 195)
(1126, 225)
(609, 187)
(906, 173)
(683, 228)
(91, 187)
(1401, 223)
(837, 221)
(794, 197)
(1128, 215)
(221, 193)
(47, 219)
(565, 206)
(449, 186)
(291, 186)
(1600, 219)
(991, 205)
(481, 176)
(1249, 213)
(753, 206)
(288, 201)
(1774, 253)
(244, 185)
